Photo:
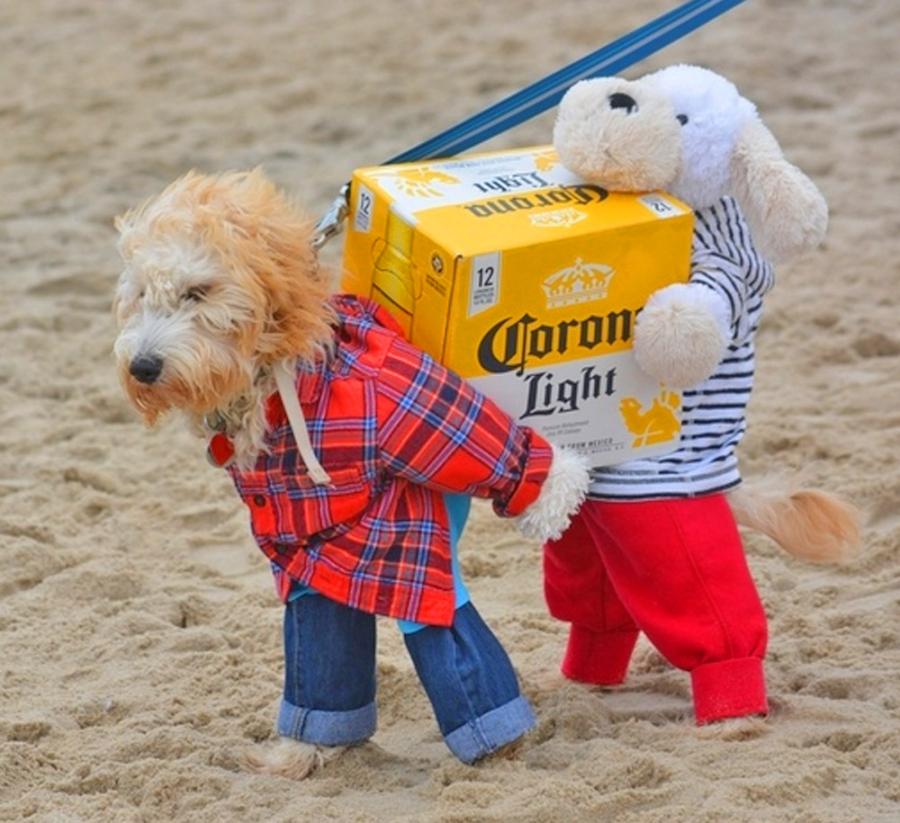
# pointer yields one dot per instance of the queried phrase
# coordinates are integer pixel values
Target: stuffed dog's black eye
(622, 101)
(681, 118)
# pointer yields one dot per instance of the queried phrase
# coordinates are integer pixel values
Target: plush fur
(786, 212)
(599, 142)
(685, 335)
(688, 131)
(716, 114)
(560, 497)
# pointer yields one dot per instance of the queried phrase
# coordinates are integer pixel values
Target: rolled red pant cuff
(600, 658)
(730, 688)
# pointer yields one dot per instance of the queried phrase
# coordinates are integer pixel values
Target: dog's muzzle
(146, 368)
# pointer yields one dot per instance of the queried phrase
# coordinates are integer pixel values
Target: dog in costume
(354, 452)
(656, 546)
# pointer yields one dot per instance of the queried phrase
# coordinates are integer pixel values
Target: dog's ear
(298, 315)
(272, 239)
(124, 225)
(787, 213)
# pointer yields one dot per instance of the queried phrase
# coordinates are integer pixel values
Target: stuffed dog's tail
(808, 524)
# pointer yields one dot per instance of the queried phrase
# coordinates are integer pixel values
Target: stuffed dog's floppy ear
(787, 213)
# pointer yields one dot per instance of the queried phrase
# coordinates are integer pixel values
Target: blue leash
(540, 96)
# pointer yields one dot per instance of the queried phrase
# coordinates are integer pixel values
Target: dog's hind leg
(289, 758)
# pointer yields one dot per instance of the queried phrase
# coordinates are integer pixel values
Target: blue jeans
(458, 506)
(329, 688)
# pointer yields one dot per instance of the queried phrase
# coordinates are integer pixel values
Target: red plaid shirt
(394, 430)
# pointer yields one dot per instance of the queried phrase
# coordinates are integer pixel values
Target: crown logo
(577, 284)
(558, 218)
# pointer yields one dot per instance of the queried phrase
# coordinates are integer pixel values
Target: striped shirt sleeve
(725, 261)
(725, 279)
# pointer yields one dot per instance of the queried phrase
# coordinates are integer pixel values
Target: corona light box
(526, 281)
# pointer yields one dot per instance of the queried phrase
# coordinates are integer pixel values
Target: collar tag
(220, 451)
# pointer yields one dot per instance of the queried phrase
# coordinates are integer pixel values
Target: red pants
(674, 569)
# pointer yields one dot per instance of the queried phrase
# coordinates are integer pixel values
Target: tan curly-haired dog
(220, 282)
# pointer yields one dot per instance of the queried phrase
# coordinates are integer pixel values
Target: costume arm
(436, 430)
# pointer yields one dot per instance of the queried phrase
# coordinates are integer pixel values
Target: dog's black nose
(146, 368)
(622, 101)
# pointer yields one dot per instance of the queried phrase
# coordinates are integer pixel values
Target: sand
(140, 635)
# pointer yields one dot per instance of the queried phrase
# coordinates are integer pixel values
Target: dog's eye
(196, 293)
(682, 118)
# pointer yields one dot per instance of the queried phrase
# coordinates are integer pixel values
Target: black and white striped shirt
(713, 413)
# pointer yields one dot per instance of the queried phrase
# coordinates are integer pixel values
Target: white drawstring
(284, 372)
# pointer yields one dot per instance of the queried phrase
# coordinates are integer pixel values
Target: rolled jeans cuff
(326, 728)
(490, 731)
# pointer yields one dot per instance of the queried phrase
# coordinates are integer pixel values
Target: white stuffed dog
(656, 548)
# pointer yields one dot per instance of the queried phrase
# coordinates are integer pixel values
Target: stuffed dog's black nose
(146, 368)
(623, 101)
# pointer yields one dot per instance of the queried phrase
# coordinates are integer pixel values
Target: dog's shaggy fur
(220, 282)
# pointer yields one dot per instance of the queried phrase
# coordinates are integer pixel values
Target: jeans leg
(329, 673)
(471, 684)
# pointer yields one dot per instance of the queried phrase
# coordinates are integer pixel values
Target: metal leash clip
(332, 221)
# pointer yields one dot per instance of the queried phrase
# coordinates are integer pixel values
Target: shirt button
(259, 500)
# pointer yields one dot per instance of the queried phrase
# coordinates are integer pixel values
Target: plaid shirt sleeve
(436, 430)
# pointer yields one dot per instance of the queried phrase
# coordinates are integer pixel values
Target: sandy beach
(140, 638)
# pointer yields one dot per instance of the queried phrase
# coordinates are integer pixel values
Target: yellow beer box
(527, 281)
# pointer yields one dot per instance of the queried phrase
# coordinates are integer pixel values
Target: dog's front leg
(288, 758)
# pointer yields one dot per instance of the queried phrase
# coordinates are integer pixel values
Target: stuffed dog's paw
(560, 497)
(682, 335)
